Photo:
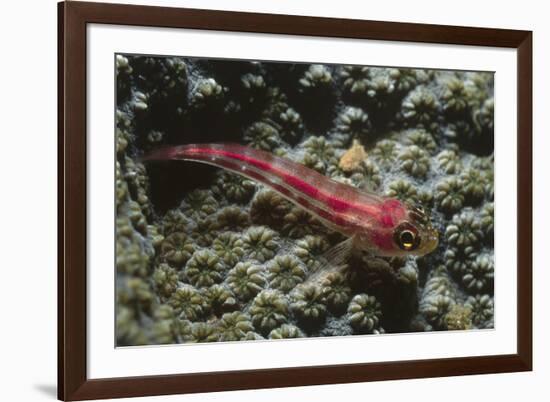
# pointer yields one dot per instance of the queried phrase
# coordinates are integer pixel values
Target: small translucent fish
(381, 226)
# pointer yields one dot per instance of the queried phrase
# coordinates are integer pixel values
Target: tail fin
(164, 153)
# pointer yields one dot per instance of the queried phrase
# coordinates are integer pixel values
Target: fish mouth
(431, 242)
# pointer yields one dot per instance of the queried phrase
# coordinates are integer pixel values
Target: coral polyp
(220, 299)
(247, 279)
(482, 308)
(204, 269)
(449, 194)
(286, 331)
(316, 77)
(480, 275)
(420, 107)
(337, 292)
(415, 161)
(464, 230)
(310, 250)
(308, 304)
(263, 136)
(268, 208)
(234, 326)
(356, 79)
(176, 249)
(354, 122)
(188, 303)
(364, 313)
(260, 243)
(269, 309)
(285, 272)
(229, 248)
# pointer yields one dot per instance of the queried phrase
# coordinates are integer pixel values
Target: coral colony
(206, 255)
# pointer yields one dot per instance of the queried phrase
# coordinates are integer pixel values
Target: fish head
(415, 234)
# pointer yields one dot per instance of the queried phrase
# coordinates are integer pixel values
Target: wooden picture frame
(73, 17)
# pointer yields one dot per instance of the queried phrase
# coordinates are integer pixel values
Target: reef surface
(203, 255)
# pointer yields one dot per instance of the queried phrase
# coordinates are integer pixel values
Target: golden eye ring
(406, 237)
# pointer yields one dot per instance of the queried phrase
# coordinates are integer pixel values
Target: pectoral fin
(333, 260)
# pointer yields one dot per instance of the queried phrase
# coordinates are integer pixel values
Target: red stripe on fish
(260, 161)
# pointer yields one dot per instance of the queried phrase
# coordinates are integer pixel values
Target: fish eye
(406, 239)
(406, 236)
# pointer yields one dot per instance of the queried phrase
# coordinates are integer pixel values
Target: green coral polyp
(230, 218)
(174, 221)
(459, 259)
(385, 152)
(260, 243)
(200, 332)
(475, 185)
(422, 139)
(188, 303)
(420, 107)
(455, 97)
(402, 190)
(356, 79)
(291, 125)
(449, 161)
(199, 204)
(247, 279)
(316, 77)
(263, 136)
(310, 250)
(364, 313)
(354, 122)
(487, 220)
(165, 279)
(480, 274)
(298, 223)
(285, 272)
(229, 247)
(269, 310)
(204, 269)
(220, 299)
(464, 230)
(234, 326)
(268, 208)
(176, 249)
(286, 331)
(337, 292)
(449, 194)
(308, 304)
(207, 91)
(482, 307)
(435, 308)
(415, 161)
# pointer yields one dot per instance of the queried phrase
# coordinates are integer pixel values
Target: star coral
(285, 272)
(246, 280)
(204, 269)
(364, 313)
(269, 310)
(260, 243)
(203, 255)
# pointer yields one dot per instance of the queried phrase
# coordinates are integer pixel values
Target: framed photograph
(253, 200)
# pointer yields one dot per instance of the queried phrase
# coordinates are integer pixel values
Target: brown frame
(73, 383)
